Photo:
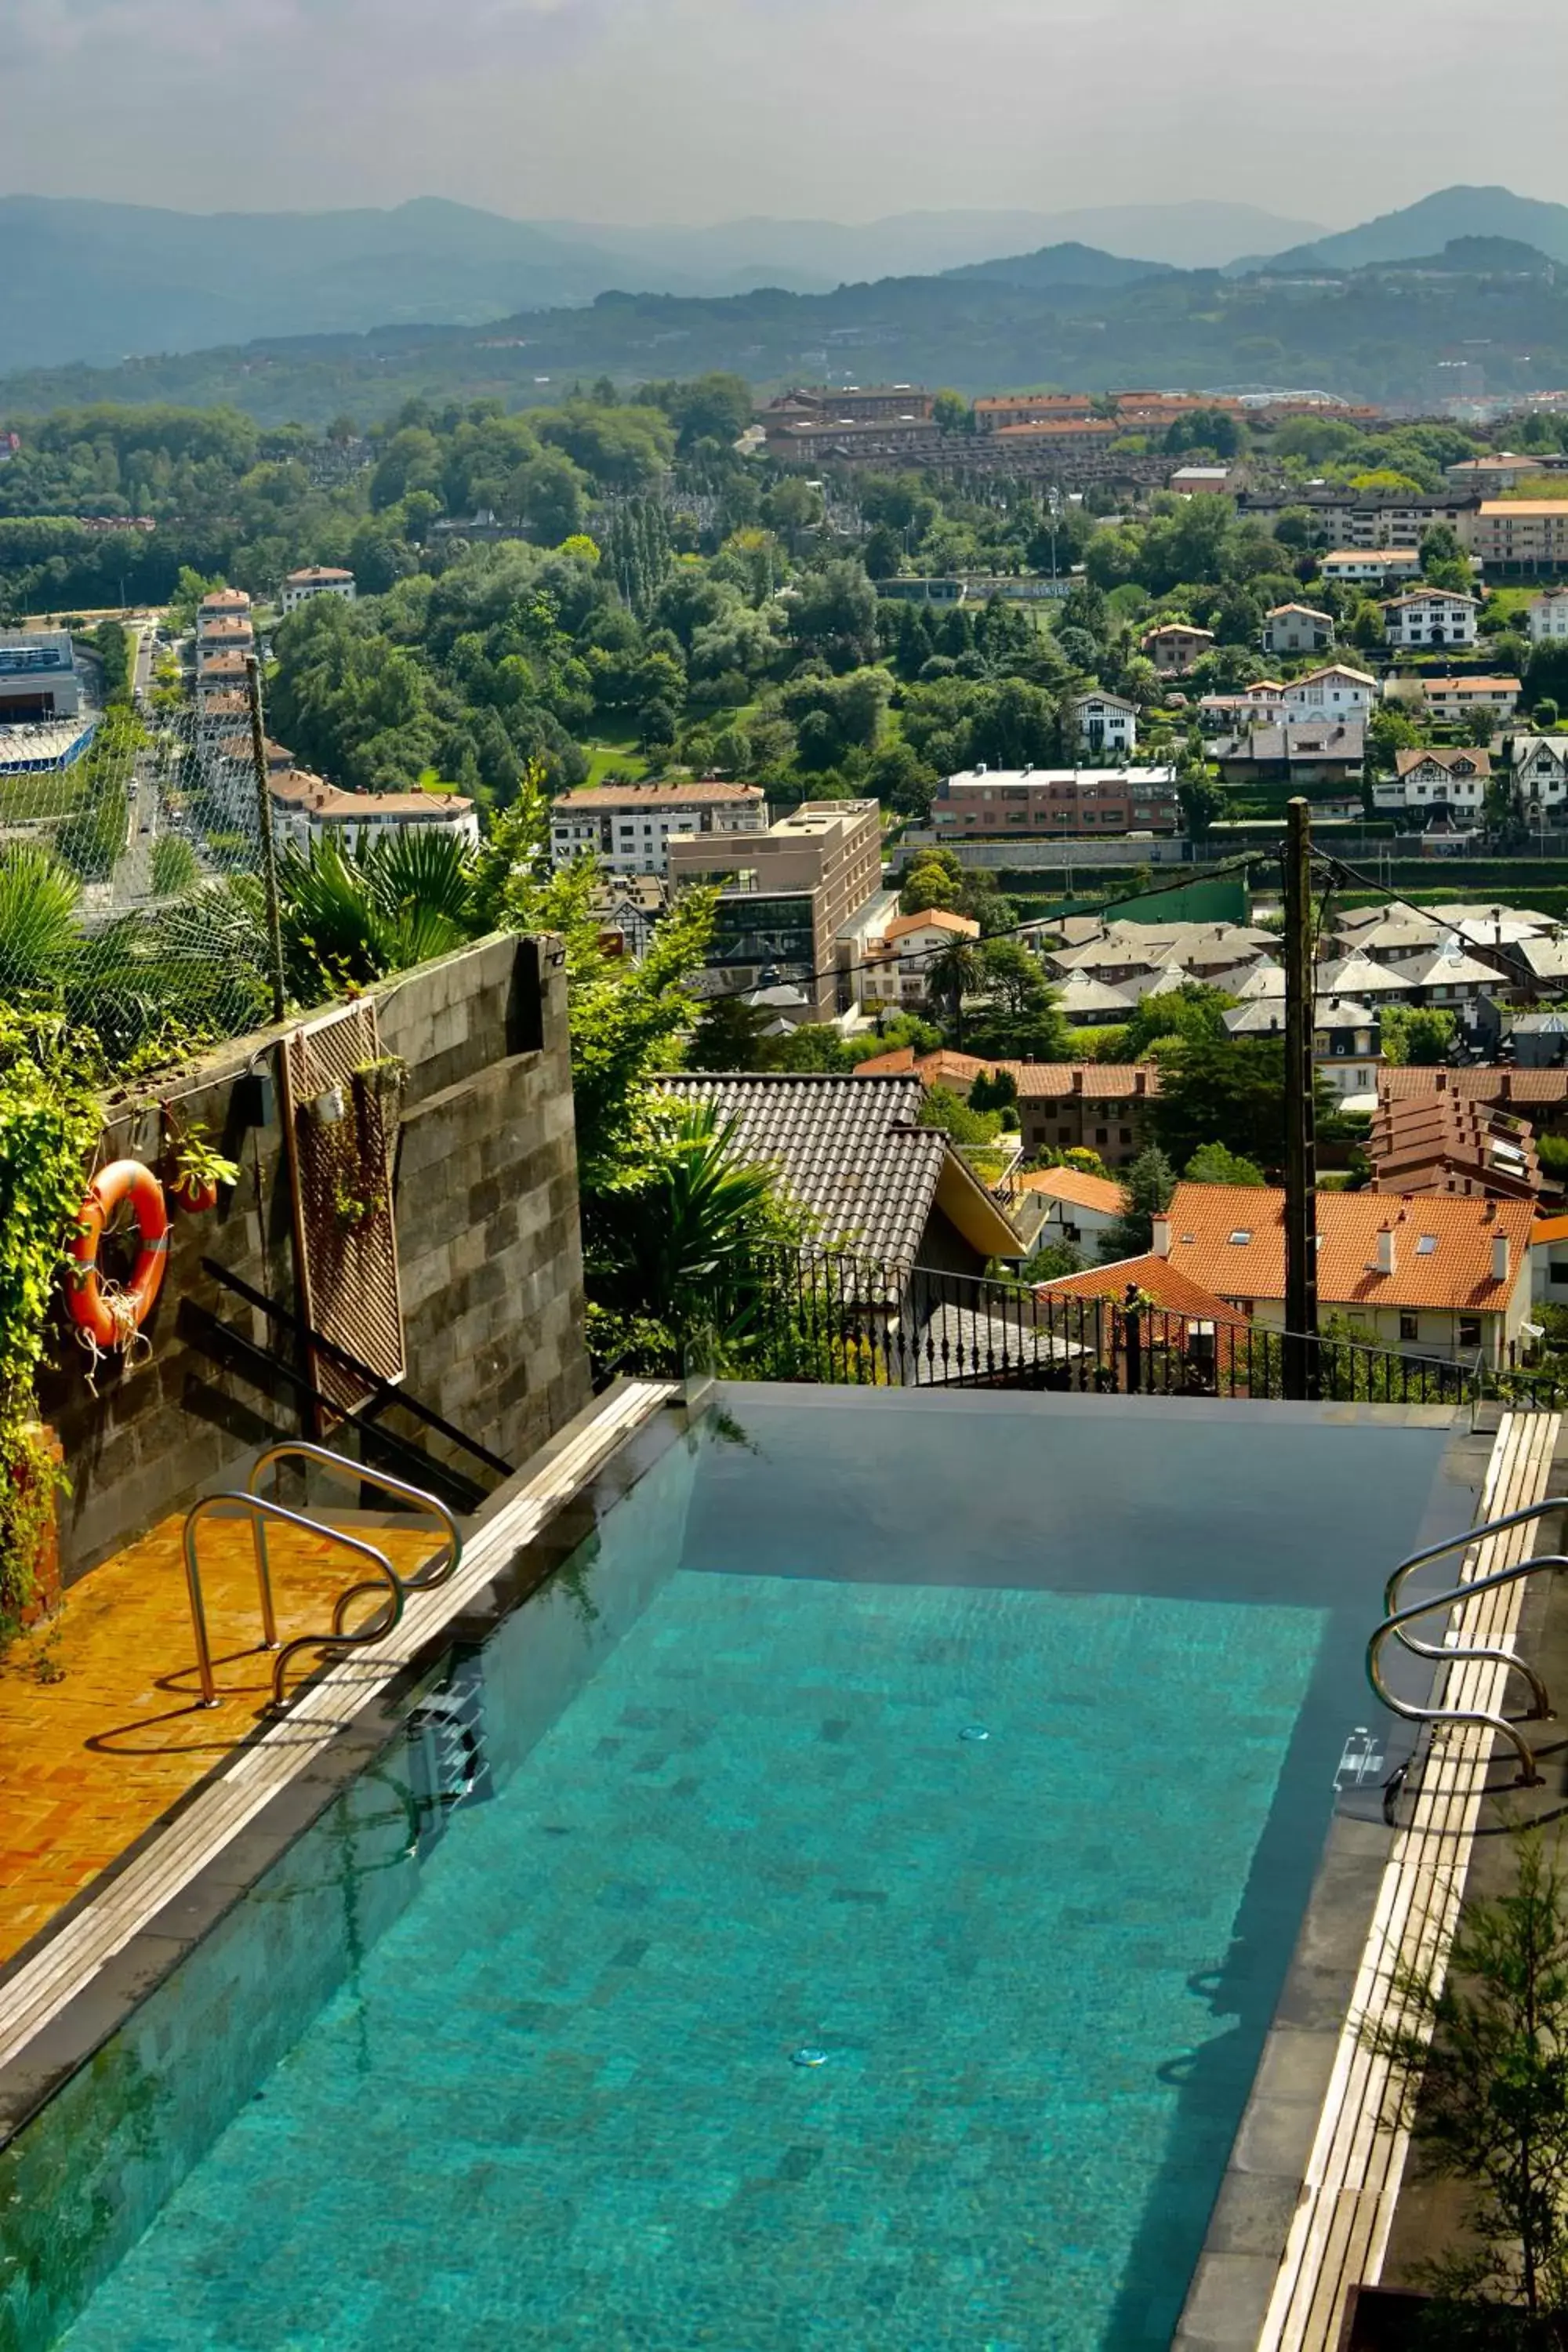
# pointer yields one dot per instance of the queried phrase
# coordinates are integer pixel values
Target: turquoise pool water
(1000, 1813)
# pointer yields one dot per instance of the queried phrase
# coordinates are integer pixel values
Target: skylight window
(1242, 1233)
(1427, 1244)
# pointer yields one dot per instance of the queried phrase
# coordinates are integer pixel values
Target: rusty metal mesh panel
(342, 1127)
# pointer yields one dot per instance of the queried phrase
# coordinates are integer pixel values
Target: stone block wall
(484, 1197)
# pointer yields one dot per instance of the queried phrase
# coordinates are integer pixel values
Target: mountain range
(1435, 222)
(95, 282)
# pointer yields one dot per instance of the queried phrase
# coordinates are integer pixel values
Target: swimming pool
(843, 1906)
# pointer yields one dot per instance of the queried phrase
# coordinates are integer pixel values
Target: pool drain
(808, 2057)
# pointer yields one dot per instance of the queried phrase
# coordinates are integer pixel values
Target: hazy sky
(706, 110)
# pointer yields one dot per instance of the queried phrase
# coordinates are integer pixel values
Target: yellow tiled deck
(89, 1761)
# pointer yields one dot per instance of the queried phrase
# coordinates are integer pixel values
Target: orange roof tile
(962, 926)
(1165, 1285)
(1455, 1275)
(1549, 1229)
(1075, 1184)
(1101, 1081)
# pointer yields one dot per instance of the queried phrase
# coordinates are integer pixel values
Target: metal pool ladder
(262, 1512)
(1398, 1616)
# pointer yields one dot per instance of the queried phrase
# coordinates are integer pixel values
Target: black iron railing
(847, 1320)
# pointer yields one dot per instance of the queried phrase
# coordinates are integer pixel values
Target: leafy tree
(174, 867)
(952, 413)
(957, 1119)
(955, 971)
(1192, 1010)
(1202, 804)
(1148, 1186)
(1482, 2054)
(1050, 1264)
(728, 1034)
(1230, 1092)
(1418, 1035)
(883, 553)
(834, 614)
(1213, 1164)
(994, 1090)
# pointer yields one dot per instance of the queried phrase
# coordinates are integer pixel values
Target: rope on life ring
(108, 1315)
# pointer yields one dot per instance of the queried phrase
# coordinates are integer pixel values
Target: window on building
(1470, 1330)
(1409, 1326)
(1102, 1134)
(1242, 1233)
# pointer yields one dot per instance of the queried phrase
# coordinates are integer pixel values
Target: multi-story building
(1515, 538)
(1303, 752)
(897, 971)
(306, 810)
(1335, 692)
(1540, 772)
(1041, 801)
(1457, 698)
(629, 827)
(1103, 1106)
(872, 403)
(1443, 783)
(1346, 519)
(811, 440)
(1430, 616)
(222, 604)
(1174, 647)
(1548, 616)
(1503, 469)
(1106, 722)
(784, 895)
(316, 580)
(38, 680)
(1370, 567)
(1298, 629)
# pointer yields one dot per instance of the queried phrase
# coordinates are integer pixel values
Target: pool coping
(1306, 2203)
(73, 1986)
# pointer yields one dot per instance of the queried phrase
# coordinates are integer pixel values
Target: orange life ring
(112, 1322)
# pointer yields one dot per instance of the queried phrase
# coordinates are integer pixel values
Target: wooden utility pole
(1301, 1114)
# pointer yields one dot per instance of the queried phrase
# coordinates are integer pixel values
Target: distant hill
(1064, 264)
(94, 282)
(1436, 222)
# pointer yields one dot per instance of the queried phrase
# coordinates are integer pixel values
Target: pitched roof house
(1432, 1275)
(850, 1151)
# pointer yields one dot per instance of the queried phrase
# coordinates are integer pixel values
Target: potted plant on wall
(49, 1125)
(199, 1170)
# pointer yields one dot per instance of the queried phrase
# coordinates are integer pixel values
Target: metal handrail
(260, 1507)
(355, 1473)
(1398, 1618)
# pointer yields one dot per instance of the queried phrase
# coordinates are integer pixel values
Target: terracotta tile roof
(899, 1063)
(600, 798)
(315, 571)
(936, 919)
(1171, 1290)
(850, 1151)
(1455, 1275)
(1075, 1184)
(942, 1068)
(1100, 1081)
(225, 599)
(1468, 761)
(1549, 1229)
(1486, 1082)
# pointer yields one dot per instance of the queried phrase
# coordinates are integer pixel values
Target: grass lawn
(621, 759)
(24, 798)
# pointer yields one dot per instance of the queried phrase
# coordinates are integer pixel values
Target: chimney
(1385, 1249)
(1500, 1257)
(1078, 1082)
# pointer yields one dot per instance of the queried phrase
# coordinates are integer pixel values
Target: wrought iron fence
(847, 1320)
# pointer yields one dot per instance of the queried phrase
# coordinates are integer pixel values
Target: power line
(1338, 870)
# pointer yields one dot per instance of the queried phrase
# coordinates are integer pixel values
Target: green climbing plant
(49, 1123)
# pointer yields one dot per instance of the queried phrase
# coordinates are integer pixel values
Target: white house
(306, 810)
(1298, 629)
(1459, 697)
(897, 970)
(1549, 617)
(1335, 692)
(1369, 567)
(1428, 780)
(315, 580)
(1079, 1207)
(1540, 772)
(1106, 722)
(1430, 616)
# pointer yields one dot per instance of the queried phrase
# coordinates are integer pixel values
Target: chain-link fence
(135, 795)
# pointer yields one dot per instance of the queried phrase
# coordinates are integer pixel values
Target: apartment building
(306, 810)
(853, 403)
(1515, 537)
(785, 894)
(1103, 1106)
(316, 580)
(1342, 519)
(1038, 803)
(1430, 616)
(629, 827)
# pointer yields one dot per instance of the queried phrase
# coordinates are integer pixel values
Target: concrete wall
(484, 1197)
